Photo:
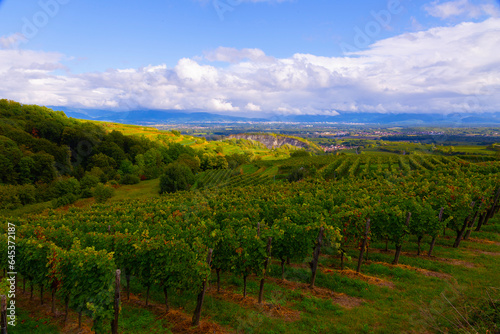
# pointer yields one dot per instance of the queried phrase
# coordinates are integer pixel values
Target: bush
(296, 175)
(89, 181)
(130, 179)
(87, 193)
(26, 194)
(102, 193)
(113, 184)
(177, 177)
(9, 200)
(64, 200)
(43, 192)
(13, 197)
(66, 186)
(300, 153)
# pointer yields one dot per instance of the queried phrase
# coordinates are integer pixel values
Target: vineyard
(230, 178)
(288, 252)
(329, 166)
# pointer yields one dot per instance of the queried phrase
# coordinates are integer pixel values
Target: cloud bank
(445, 10)
(446, 69)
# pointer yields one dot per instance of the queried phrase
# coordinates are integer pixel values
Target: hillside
(272, 141)
(46, 156)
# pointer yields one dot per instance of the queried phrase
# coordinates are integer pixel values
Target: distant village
(333, 148)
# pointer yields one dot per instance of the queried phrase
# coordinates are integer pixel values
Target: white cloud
(232, 55)
(448, 69)
(11, 41)
(252, 107)
(221, 105)
(448, 9)
(415, 25)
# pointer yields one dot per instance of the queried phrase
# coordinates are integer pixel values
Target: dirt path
(249, 302)
(482, 241)
(484, 252)
(346, 272)
(337, 298)
(479, 241)
(429, 258)
(366, 278)
(419, 270)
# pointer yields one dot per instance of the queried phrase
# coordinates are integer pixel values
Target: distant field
(473, 149)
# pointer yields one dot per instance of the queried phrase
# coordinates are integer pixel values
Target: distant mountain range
(148, 117)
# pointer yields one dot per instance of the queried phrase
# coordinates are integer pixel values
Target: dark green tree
(176, 177)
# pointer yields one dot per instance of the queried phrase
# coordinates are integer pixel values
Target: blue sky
(241, 56)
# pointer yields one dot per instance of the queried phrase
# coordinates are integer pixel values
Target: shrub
(296, 174)
(26, 194)
(89, 181)
(87, 193)
(14, 196)
(102, 193)
(64, 200)
(300, 153)
(130, 179)
(176, 177)
(114, 184)
(66, 186)
(9, 199)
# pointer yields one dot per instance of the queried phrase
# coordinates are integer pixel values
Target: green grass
(27, 210)
(136, 320)
(473, 149)
(26, 324)
(250, 168)
(142, 190)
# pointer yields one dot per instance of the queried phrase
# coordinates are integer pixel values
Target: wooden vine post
(471, 224)
(433, 242)
(482, 219)
(266, 264)
(491, 212)
(460, 233)
(342, 259)
(363, 245)
(201, 295)
(400, 246)
(283, 269)
(114, 322)
(314, 262)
